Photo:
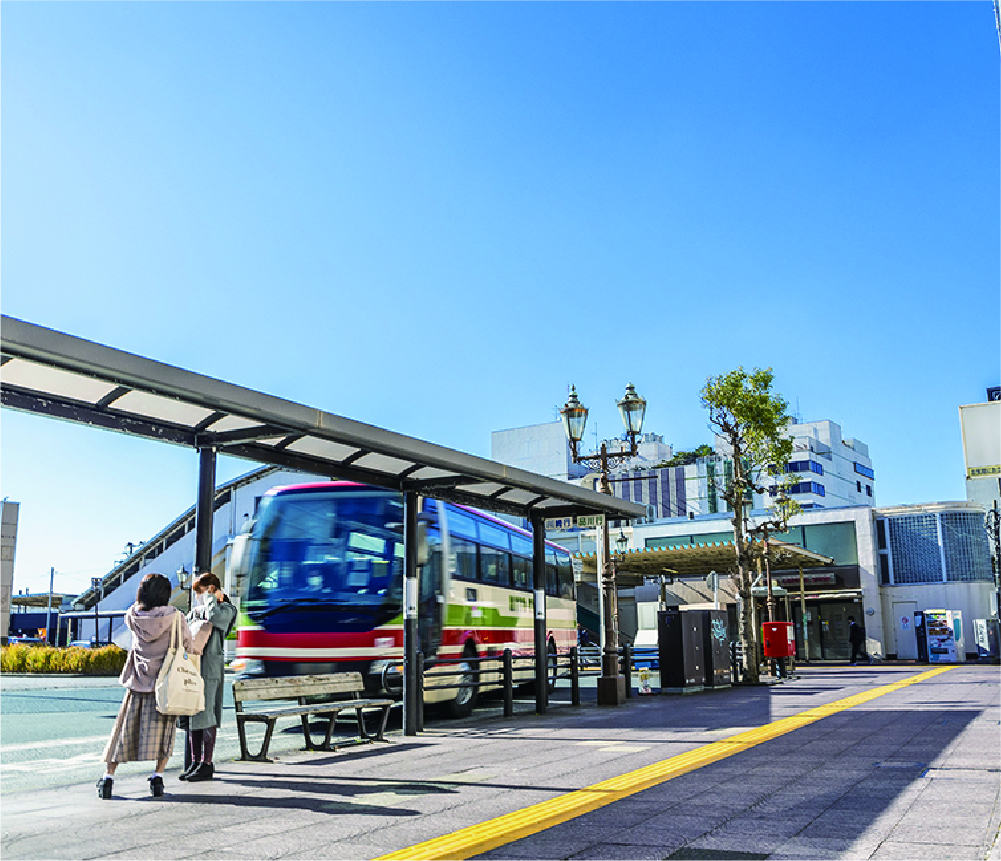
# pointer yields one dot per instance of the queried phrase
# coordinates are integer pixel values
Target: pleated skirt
(141, 733)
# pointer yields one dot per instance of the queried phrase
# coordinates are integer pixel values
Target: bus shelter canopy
(697, 560)
(61, 376)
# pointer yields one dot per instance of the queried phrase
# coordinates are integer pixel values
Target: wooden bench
(345, 689)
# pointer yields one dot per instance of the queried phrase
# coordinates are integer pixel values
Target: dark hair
(154, 591)
(206, 579)
(851, 618)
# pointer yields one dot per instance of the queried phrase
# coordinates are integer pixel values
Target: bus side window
(552, 581)
(565, 574)
(493, 566)
(465, 559)
(521, 571)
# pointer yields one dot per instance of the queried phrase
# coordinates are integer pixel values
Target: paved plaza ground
(913, 772)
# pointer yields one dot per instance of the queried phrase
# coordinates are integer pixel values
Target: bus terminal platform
(884, 762)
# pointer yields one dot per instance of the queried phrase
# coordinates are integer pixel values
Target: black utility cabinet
(716, 648)
(921, 635)
(680, 637)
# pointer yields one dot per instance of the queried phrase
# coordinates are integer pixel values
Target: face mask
(202, 599)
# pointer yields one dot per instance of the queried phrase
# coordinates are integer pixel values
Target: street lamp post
(632, 408)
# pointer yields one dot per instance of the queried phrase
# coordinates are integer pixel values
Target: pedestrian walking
(856, 637)
(141, 733)
(216, 612)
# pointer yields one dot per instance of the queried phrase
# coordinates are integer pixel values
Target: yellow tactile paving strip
(476, 839)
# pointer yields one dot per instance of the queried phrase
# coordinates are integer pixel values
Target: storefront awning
(696, 560)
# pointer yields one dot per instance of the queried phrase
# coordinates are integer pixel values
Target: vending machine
(943, 633)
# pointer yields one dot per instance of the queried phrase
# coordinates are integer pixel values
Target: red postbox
(780, 641)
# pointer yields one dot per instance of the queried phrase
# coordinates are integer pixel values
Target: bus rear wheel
(465, 695)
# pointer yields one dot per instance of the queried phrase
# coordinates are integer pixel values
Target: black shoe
(184, 775)
(156, 786)
(104, 786)
(205, 771)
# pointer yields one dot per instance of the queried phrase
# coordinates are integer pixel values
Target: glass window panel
(521, 572)
(914, 544)
(461, 524)
(836, 540)
(494, 535)
(967, 551)
(465, 559)
(521, 544)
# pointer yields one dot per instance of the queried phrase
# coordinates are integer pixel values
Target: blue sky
(434, 217)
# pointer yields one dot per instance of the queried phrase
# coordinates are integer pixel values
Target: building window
(805, 466)
(808, 487)
(881, 534)
(884, 570)
(914, 544)
(868, 490)
(858, 486)
(865, 470)
(967, 552)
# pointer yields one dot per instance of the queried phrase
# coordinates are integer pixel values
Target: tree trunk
(748, 641)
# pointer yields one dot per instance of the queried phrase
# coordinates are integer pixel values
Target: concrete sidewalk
(911, 774)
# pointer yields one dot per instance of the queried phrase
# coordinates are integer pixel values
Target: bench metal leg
(363, 731)
(309, 738)
(241, 729)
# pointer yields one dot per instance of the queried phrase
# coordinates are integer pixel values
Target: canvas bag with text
(180, 689)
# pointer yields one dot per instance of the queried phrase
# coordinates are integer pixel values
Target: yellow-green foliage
(106, 661)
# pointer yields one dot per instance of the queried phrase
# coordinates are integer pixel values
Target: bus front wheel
(467, 692)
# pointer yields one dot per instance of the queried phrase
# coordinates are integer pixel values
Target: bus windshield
(328, 549)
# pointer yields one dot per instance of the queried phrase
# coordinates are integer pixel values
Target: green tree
(752, 423)
(683, 458)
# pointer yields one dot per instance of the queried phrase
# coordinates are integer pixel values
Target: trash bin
(679, 636)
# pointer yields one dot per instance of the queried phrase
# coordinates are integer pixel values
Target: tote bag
(180, 689)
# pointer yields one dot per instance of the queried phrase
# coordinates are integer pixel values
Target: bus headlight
(253, 667)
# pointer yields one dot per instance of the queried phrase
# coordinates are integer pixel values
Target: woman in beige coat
(141, 732)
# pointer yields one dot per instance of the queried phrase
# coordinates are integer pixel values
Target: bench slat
(291, 687)
(318, 708)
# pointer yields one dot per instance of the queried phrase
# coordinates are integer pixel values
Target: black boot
(205, 771)
(191, 769)
(104, 786)
(156, 786)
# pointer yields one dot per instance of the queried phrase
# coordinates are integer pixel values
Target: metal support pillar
(48, 609)
(204, 509)
(539, 589)
(611, 685)
(803, 618)
(411, 674)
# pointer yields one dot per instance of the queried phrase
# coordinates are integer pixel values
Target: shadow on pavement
(819, 788)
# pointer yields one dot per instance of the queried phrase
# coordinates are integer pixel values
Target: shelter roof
(61, 376)
(695, 560)
(39, 600)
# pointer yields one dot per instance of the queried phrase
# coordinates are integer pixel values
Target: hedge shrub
(105, 661)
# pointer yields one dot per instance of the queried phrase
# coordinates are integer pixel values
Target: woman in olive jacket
(214, 609)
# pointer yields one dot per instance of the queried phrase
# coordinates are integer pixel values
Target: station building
(887, 563)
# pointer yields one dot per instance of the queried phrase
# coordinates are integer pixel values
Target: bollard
(508, 684)
(627, 669)
(420, 691)
(574, 677)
